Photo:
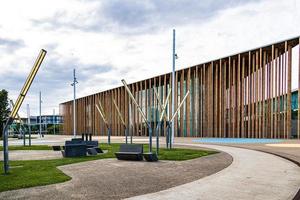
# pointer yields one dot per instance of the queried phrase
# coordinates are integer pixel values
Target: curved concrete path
(32, 155)
(252, 175)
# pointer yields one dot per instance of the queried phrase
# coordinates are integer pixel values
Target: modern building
(247, 94)
(48, 123)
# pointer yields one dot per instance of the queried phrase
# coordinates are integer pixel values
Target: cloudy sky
(109, 40)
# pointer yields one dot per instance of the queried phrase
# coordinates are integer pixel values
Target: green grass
(31, 173)
(32, 147)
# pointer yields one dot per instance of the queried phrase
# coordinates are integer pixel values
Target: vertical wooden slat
(176, 104)
(298, 120)
(230, 98)
(188, 102)
(256, 96)
(215, 100)
(263, 94)
(280, 94)
(233, 98)
(253, 97)
(238, 94)
(150, 114)
(285, 92)
(181, 97)
(262, 104)
(249, 96)
(272, 93)
(220, 99)
(210, 99)
(289, 90)
(242, 97)
(275, 93)
(201, 101)
(196, 103)
(225, 100)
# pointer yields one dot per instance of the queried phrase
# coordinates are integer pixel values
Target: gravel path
(113, 179)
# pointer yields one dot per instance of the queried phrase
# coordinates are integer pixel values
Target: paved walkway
(113, 179)
(32, 155)
(252, 175)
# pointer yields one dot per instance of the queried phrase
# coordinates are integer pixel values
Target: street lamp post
(173, 85)
(74, 102)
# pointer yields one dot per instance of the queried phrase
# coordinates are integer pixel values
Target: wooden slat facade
(243, 95)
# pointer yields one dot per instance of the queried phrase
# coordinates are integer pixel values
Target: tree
(4, 109)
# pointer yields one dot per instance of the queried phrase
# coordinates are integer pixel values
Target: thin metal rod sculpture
(122, 119)
(168, 138)
(130, 123)
(162, 115)
(21, 124)
(102, 114)
(141, 112)
(18, 104)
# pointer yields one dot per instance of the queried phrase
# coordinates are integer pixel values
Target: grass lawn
(32, 147)
(31, 173)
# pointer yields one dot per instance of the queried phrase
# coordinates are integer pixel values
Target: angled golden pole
(119, 113)
(141, 112)
(101, 108)
(102, 114)
(169, 139)
(122, 119)
(162, 107)
(134, 101)
(28, 82)
(18, 104)
(181, 103)
(162, 115)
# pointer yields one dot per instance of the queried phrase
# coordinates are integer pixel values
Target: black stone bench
(130, 152)
(92, 151)
(74, 149)
(56, 148)
(78, 147)
(91, 143)
(150, 157)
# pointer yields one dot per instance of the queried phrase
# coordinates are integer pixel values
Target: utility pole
(173, 85)
(40, 109)
(74, 102)
(28, 124)
(54, 121)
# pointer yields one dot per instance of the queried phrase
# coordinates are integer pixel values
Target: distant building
(46, 119)
(48, 122)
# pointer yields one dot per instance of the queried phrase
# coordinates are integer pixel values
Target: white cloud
(108, 46)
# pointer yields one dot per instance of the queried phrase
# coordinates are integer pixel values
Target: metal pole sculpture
(40, 110)
(173, 82)
(162, 115)
(54, 121)
(18, 104)
(169, 139)
(141, 112)
(22, 128)
(29, 126)
(130, 123)
(74, 102)
(102, 114)
(121, 118)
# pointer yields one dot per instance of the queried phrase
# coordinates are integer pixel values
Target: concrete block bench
(130, 152)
